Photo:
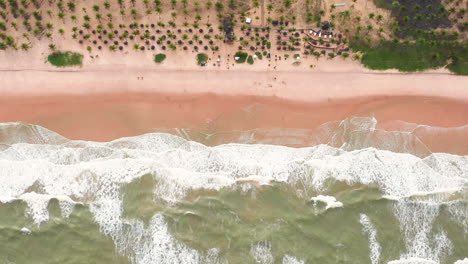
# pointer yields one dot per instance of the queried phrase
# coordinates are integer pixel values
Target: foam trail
(416, 222)
(369, 229)
(287, 259)
(261, 253)
(413, 261)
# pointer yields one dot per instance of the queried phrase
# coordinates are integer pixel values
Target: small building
(248, 20)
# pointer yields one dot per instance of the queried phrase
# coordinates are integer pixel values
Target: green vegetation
(259, 55)
(202, 58)
(242, 56)
(159, 58)
(409, 57)
(64, 59)
(384, 4)
(250, 60)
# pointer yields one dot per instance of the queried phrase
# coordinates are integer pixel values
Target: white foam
(261, 253)
(413, 261)
(462, 261)
(330, 201)
(416, 223)
(369, 229)
(287, 259)
(37, 205)
(26, 231)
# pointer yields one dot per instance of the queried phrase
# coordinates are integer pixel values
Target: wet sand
(108, 117)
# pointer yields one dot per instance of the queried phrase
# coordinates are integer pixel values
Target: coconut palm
(209, 4)
(71, 6)
(25, 46)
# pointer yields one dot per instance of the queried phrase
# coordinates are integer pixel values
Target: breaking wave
(37, 166)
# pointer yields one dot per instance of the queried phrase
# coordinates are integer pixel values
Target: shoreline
(110, 104)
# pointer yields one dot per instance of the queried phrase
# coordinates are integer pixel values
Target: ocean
(357, 195)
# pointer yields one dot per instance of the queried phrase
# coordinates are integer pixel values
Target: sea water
(361, 197)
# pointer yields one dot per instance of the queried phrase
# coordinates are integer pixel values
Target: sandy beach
(106, 104)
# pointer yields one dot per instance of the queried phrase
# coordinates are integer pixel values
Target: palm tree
(159, 10)
(173, 3)
(61, 31)
(99, 16)
(209, 4)
(270, 7)
(96, 8)
(71, 6)
(219, 6)
(136, 46)
(25, 46)
(256, 3)
(107, 5)
(134, 13)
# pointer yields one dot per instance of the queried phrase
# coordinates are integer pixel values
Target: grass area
(459, 65)
(242, 56)
(416, 16)
(159, 58)
(202, 58)
(384, 4)
(250, 60)
(259, 55)
(412, 57)
(64, 59)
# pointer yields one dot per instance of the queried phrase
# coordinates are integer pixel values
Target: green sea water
(158, 198)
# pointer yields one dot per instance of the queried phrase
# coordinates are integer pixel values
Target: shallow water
(354, 196)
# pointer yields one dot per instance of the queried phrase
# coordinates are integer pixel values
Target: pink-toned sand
(103, 105)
